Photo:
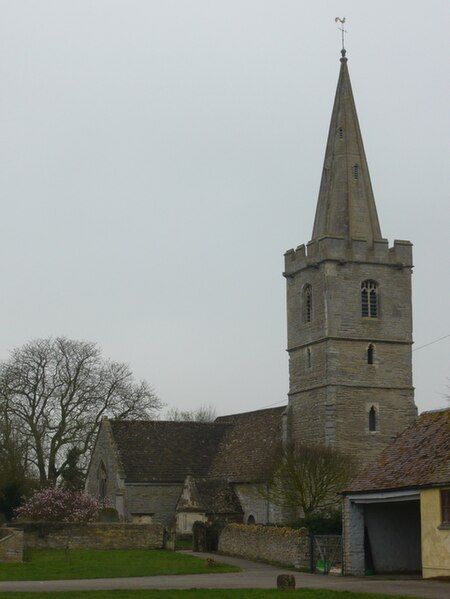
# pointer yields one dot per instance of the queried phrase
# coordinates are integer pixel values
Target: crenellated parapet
(339, 249)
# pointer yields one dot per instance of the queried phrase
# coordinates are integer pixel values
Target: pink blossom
(60, 505)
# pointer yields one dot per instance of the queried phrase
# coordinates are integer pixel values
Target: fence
(326, 554)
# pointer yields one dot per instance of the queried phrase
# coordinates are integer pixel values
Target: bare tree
(308, 478)
(205, 413)
(16, 479)
(57, 391)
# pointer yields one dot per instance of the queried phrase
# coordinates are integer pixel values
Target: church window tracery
(307, 303)
(369, 299)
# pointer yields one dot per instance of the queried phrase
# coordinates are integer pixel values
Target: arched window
(370, 354)
(251, 519)
(308, 358)
(369, 299)
(102, 481)
(372, 419)
(307, 303)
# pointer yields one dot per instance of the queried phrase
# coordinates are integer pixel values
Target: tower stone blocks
(348, 307)
(332, 385)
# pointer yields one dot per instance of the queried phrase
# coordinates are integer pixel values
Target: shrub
(321, 524)
(60, 505)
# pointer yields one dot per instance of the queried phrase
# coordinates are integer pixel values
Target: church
(349, 317)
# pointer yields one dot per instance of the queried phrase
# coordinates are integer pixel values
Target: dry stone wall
(11, 545)
(94, 535)
(268, 543)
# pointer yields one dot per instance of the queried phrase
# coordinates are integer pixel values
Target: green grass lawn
(184, 543)
(54, 564)
(201, 594)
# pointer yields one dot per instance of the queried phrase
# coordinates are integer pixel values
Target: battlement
(339, 249)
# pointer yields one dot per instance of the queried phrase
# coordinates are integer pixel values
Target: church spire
(346, 206)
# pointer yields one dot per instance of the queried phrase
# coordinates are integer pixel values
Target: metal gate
(326, 554)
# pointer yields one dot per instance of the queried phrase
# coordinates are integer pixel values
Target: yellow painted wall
(435, 542)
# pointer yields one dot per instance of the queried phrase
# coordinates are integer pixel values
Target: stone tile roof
(158, 450)
(238, 447)
(209, 496)
(418, 457)
(248, 448)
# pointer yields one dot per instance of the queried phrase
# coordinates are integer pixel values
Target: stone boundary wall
(11, 545)
(253, 541)
(92, 535)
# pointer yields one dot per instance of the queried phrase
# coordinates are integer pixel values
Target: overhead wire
(431, 342)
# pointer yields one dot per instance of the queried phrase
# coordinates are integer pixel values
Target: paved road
(253, 575)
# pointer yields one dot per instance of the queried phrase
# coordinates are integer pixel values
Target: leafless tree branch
(56, 391)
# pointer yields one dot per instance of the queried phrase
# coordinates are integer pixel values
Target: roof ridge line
(253, 411)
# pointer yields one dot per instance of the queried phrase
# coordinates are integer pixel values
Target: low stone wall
(11, 545)
(93, 535)
(269, 543)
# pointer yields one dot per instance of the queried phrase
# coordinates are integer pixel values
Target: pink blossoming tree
(60, 505)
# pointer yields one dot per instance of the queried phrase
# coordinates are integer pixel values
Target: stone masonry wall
(11, 545)
(255, 504)
(353, 554)
(131, 500)
(283, 545)
(94, 535)
(160, 500)
(104, 452)
(332, 386)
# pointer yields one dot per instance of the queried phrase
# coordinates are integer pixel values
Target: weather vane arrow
(343, 32)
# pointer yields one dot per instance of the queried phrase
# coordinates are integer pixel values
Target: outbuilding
(396, 514)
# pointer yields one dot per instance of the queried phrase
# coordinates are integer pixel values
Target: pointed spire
(346, 206)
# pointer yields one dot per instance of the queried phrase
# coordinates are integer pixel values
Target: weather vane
(343, 32)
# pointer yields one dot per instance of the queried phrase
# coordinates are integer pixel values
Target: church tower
(349, 310)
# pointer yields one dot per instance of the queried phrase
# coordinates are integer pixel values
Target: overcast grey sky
(158, 158)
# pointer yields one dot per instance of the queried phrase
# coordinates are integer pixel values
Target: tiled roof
(418, 457)
(156, 450)
(238, 447)
(248, 448)
(209, 495)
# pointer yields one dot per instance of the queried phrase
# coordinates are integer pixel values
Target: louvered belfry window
(369, 299)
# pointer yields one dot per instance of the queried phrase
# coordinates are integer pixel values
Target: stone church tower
(349, 308)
